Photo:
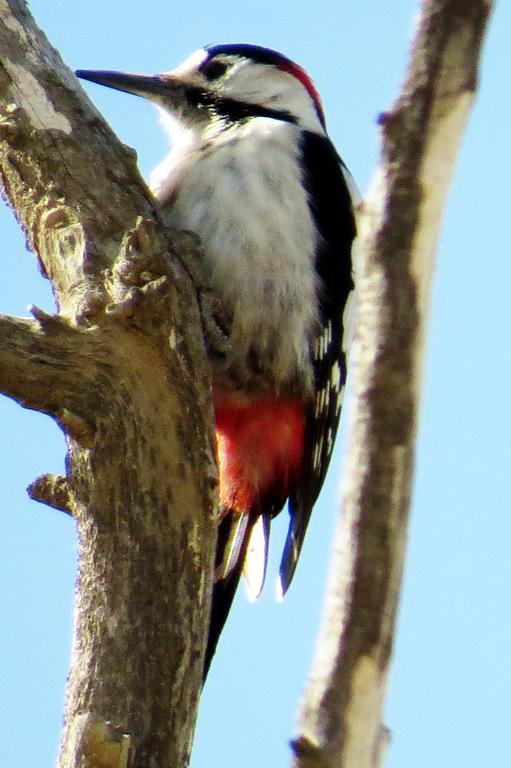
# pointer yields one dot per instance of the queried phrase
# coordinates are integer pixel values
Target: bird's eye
(214, 69)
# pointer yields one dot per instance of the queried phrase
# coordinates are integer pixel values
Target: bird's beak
(163, 89)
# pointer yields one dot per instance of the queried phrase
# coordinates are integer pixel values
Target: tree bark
(122, 368)
(340, 718)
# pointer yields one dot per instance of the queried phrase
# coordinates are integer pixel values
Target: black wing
(332, 208)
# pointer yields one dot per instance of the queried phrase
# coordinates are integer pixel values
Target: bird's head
(230, 83)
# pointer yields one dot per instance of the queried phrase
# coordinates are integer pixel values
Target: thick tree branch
(39, 368)
(124, 372)
(340, 719)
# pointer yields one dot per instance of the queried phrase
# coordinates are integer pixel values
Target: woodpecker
(252, 172)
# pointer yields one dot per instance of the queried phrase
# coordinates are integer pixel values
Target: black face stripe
(231, 109)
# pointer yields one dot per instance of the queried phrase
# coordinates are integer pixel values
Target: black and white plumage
(252, 171)
(331, 204)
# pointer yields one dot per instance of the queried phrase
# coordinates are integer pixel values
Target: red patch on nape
(302, 76)
(260, 446)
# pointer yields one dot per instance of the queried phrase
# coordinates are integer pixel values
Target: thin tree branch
(52, 490)
(340, 719)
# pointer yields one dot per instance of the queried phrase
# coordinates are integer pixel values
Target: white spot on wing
(335, 376)
(316, 456)
(323, 342)
(321, 400)
(330, 440)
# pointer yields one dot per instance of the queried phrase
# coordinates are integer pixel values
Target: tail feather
(233, 534)
(242, 547)
(232, 543)
(300, 508)
(256, 558)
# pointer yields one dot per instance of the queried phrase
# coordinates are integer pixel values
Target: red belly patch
(260, 447)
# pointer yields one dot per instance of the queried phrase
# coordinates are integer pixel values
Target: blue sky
(449, 700)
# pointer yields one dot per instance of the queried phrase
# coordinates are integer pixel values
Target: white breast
(242, 193)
